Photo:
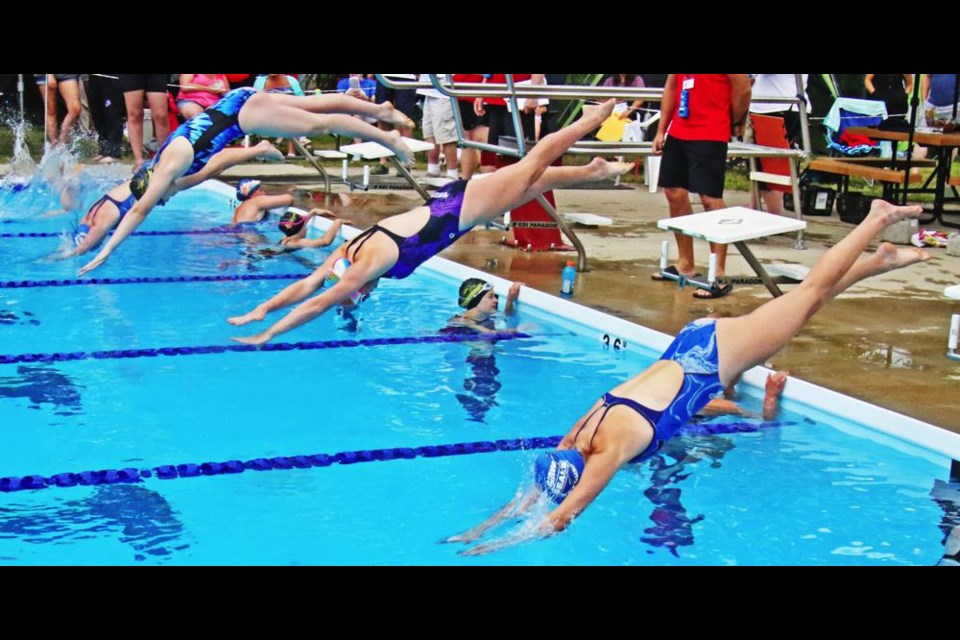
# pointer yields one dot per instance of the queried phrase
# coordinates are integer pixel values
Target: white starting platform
(732, 225)
(375, 151)
(588, 219)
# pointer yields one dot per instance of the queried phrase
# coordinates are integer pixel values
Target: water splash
(21, 164)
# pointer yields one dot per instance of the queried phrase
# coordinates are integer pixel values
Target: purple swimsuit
(441, 230)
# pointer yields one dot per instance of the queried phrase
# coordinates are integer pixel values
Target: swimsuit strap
(606, 406)
(365, 235)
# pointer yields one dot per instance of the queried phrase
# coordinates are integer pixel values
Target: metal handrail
(513, 92)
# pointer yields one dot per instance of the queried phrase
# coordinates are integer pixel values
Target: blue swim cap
(80, 234)
(557, 472)
(246, 187)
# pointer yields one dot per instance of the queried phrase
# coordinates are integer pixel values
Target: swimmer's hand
(466, 537)
(256, 340)
(254, 316)
(93, 264)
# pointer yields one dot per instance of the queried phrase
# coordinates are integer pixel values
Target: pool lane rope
(246, 277)
(270, 346)
(169, 232)
(283, 463)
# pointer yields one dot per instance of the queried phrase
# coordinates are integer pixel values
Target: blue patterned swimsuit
(212, 130)
(441, 230)
(694, 349)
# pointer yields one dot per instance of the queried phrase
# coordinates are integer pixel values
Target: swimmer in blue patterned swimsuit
(107, 212)
(240, 112)
(396, 246)
(633, 420)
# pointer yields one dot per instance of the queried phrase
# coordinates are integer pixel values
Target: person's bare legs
(341, 103)
(273, 119)
(159, 113)
(70, 90)
(508, 187)
(49, 95)
(678, 201)
(134, 103)
(223, 160)
(720, 250)
(560, 177)
(750, 339)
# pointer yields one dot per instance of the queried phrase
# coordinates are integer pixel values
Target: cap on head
(246, 188)
(291, 223)
(472, 291)
(557, 472)
(140, 181)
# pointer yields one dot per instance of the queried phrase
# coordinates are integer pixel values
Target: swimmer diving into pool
(632, 421)
(240, 112)
(395, 247)
(107, 212)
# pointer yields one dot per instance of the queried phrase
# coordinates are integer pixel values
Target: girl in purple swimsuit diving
(400, 243)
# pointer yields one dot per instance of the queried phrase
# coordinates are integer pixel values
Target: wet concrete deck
(883, 341)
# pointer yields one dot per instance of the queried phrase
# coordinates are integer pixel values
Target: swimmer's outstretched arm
(519, 505)
(163, 177)
(299, 290)
(597, 473)
(324, 241)
(352, 280)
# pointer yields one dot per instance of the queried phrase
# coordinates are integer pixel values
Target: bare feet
(893, 258)
(399, 147)
(600, 169)
(888, 214)
(254, 316)
(267, 151)
(599, 112)
(390, 115)
(774, 389)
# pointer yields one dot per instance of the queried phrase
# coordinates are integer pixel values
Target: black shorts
(470, 118)
(501, 124)
(149, 82)
(695, 165)
(403, 99)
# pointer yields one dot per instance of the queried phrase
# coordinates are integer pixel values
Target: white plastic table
(375, 151)
(734, 225)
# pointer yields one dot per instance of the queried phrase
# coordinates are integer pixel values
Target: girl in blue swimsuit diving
(107, 212)
(632, 421)
(241, 112)
(396, 246)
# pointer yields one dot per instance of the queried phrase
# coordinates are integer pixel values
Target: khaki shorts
(438, 122)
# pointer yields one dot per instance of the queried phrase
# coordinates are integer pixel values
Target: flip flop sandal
(659, 277)
(718, 290)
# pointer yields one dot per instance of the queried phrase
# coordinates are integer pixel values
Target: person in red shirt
(698, 115)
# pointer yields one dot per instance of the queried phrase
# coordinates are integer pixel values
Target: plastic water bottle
(569, 275)
(684, 110)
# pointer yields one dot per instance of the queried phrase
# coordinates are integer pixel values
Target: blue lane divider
(26, 284)
(170, 232)
(192, 470)
(270, 346)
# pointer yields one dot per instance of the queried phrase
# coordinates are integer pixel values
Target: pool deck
(883, 341)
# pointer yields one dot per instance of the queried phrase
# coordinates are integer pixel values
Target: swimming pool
(366, 440)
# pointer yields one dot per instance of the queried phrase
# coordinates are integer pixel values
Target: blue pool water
(808, 489)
